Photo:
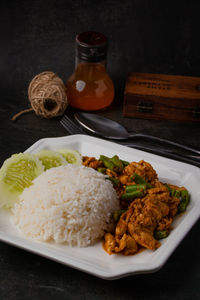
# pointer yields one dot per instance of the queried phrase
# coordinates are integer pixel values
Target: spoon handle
(160, 140)
(190, 159)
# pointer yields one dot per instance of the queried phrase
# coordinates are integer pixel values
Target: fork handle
(160, 140)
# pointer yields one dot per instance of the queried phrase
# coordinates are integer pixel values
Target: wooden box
(162, 97)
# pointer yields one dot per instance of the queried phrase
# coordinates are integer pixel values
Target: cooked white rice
(71, 204)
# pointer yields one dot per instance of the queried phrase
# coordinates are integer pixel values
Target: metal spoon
(112, 130)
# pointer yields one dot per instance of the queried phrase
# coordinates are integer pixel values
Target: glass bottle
(90, 88)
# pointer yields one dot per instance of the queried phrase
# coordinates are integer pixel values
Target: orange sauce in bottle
(90, 88)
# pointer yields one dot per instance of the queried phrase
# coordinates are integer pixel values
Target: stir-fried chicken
(141, 168)
(138, 223)
(142, 216)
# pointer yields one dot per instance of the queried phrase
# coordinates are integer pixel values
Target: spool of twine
(47, 96)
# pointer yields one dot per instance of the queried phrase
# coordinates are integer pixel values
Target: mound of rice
(70, 204)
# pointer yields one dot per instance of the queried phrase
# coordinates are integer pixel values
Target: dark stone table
(145, 37)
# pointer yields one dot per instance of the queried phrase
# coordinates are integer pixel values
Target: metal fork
(72, 128)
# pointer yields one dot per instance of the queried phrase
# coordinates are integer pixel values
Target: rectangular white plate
(94, 259)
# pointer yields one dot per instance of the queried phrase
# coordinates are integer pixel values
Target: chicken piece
(131, 246)
(121, 243)
(109, 243)
(143, 236)
(124, 179)
(159, 184)
(144, 220)
(121, 225)
(175, 187)
(147, 213)
(127, 244)
(111, 173)
(155, 208)
(91, 162)
(164, 223)
(86, 160)
(143, 169)
(173, 206)
(161, 191)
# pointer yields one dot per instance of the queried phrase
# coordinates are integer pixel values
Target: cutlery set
(88, 123)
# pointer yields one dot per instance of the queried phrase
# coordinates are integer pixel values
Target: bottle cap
(91, 46)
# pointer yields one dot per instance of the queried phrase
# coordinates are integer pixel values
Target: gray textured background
(145, 36)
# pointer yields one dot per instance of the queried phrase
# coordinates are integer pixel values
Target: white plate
(94, 259)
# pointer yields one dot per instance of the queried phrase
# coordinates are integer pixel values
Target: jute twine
(47, 96)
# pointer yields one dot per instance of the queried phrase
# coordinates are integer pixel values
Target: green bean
(107, 162)
(140, 180)
(117, 163)
(173, 192)
(113, 163)
(125, 163)
(184, 194)
(116, 214)
(135, 187)
(177, 194)
(102, 170)
(114, 181)
(160, 234)
(132, 195)
(168, 187)
(185, 199)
